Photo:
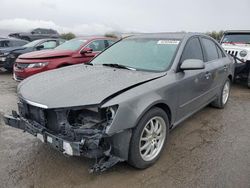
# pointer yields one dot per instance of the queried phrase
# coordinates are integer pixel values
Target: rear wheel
(222, 99)
(149, 138)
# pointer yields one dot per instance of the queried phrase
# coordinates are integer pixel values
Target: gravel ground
(210, 149)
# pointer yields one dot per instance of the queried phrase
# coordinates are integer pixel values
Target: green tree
(68, 36)
(216, 35)
(111, 35)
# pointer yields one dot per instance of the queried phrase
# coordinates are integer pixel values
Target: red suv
(75, 51)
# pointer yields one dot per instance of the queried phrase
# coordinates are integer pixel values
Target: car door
(192, 84)
(97, 46)
(215, 64)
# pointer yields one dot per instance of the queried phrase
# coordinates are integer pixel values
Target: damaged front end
(78, 131)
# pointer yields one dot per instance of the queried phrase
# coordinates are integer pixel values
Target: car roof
(94, 37)
(237, 31)
(168, 35)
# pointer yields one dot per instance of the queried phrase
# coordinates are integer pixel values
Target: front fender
(131, 108)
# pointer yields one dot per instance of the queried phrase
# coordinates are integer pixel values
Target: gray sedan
(122, 105)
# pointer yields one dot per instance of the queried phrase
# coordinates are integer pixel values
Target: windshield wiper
(119, 66)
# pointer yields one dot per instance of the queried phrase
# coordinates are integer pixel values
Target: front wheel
(149, 138)
(222, 99)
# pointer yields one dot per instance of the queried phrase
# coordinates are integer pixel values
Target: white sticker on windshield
(168, 42)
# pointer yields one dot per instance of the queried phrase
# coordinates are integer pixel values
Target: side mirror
(192, 64)
(39, 47)
(86, 51)
(32, 32)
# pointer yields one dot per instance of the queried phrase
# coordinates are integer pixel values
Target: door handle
(208, 75)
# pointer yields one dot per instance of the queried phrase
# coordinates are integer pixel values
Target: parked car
(8, 55)
(122, 107)
(11, 42)
(35, 34)
(237, 44)
(75, 51)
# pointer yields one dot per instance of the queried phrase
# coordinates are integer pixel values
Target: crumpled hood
(79, 85)
(46, 54)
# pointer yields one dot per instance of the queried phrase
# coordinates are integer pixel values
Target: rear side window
(110, 42)
(13, 43)
(97, 45)
(192, 50)
(210, 49)
(2, 44)
(49, 44)
(17, 43)
(220, 53)
(5, 43)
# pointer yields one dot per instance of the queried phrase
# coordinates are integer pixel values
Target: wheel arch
(162, 105)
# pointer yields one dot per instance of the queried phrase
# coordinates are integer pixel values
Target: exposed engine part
(85, 127)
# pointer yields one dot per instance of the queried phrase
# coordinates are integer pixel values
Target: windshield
(140, 54)
(32, 44)
(237, 38)
(73, 44)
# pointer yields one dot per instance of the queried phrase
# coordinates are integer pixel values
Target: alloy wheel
(152, 138)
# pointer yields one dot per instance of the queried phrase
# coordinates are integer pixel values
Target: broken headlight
(110, 112)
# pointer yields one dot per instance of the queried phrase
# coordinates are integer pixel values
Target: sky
(84, 17)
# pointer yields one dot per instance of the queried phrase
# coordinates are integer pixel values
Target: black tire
(218, 103)
(135, 158)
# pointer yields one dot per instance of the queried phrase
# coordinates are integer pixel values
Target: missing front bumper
(66, 147)
(87, 147)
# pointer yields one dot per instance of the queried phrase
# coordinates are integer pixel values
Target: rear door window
(49, 44)
(5, 43)
(110, 42)
(1, 43)
(17, 43)
(192, 50)
(97, 45)
(210, 49)
(220, 53)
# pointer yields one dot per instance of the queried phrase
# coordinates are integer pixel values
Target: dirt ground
(210, 149)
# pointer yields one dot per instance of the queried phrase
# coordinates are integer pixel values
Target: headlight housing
(110, 112)
(38, 65)
(243, 53)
